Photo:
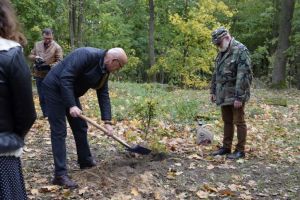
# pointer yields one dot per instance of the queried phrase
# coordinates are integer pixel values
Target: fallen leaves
(202, 194)
(135, 192)
(272, 144)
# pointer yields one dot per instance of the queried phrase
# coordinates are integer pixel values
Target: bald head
(118, 53)
(115, 59)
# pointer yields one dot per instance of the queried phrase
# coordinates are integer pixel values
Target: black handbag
(10, 142)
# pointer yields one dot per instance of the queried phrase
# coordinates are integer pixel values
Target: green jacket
(232, 75)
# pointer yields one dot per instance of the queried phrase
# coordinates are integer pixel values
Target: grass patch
(276, 101)
(177, 105)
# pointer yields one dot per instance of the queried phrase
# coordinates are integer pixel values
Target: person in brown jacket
(45, 55)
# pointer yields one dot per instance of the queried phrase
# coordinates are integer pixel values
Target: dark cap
(217, 35)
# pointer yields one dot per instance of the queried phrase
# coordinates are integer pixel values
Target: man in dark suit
(81, 70)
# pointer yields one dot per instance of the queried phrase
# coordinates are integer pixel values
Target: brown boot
(64, 181)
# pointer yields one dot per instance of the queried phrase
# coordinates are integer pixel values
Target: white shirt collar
(5, 44)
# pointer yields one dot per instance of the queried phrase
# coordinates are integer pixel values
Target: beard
(224, 46)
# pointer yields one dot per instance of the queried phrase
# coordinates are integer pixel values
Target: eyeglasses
(48, 39)
(120, 66)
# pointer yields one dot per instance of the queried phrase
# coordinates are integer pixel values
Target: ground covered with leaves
(163, 118)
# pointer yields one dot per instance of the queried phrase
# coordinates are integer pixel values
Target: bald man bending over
(81, 70)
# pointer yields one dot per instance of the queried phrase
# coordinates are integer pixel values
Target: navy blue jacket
(81, 70)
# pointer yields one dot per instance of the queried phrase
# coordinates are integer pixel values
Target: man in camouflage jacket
(230, 89)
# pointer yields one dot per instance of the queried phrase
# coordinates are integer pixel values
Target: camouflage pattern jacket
(232, 75)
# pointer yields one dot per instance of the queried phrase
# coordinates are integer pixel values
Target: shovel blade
(139, 149)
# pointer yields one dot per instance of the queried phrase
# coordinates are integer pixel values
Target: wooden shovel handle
(104, 130)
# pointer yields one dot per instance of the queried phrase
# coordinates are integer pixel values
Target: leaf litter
(271, 169)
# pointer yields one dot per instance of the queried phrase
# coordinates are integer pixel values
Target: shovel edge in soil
(135, 149)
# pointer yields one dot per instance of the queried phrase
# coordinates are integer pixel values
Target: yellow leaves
(195, 156)
(246, 197)
(134, 192)
(232, 190)
(34, 191)
(202, 195)
(210, 188)
(49, 188)
(210, 167)
(252, 183)
(195, 29)
(172, 173)
(83, 190)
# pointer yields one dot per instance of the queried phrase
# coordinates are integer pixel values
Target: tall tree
(151, 36)
(75, 22)
(298, 71)
(71, 23)
(285, 26)
(79, 23)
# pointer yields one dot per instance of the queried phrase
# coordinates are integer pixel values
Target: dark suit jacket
(79, 71)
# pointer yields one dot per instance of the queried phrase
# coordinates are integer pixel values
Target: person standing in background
(45, 54)
(230, 89)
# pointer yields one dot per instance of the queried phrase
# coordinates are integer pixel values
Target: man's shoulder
(90, 50)
(55, 44)
(39, 43)
(239, 46)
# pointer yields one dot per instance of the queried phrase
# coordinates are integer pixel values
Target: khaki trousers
(234, 116)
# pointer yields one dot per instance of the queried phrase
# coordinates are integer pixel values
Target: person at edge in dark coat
(17, 113)
(81, 70)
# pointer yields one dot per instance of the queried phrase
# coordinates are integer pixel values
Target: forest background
(162, 91)
(168, 41)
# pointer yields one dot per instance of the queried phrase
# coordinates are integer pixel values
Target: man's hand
(237, 104)
(75, 111)
(39, 58)
(213, 98)
(109, 129)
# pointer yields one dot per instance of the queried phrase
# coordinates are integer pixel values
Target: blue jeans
(41, 94)
(57, 113)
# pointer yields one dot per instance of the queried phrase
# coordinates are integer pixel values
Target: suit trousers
(41, 94)
(57, 113)
(234, 116)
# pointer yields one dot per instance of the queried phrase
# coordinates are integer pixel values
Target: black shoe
(64, 181)
(221, 151)
(236, 155)
(88, 165)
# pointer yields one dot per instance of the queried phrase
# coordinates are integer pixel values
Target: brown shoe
(64, 181)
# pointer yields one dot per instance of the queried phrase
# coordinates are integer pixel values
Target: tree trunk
(79, 23)
(71, 23)
(186, 38)
(74, 20)
(297, 61)
(285, 24)
(151, 36)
